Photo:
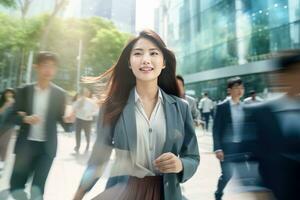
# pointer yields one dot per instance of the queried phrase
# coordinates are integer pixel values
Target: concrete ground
(68, 168)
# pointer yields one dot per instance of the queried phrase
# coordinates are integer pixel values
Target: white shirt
(237, 116)
(40, 108)
(250, 100)
(85, 108)
(206, 105)
(151, 134)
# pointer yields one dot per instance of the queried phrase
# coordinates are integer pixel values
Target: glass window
(294, 10)
(295, 35)
(280, 38)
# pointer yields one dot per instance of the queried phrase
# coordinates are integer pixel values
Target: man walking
(227, 137)
(38, 108)
(191, 101)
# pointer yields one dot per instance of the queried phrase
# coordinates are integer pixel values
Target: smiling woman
(147, 124)
(146, 61)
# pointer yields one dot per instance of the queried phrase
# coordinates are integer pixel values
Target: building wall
(121, 12)
(215, 34)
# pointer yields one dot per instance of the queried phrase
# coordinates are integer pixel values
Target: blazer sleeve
(195, 111)
(100, 155)
(217, 128)
(18, 106)
(61, 110)
(189, 153)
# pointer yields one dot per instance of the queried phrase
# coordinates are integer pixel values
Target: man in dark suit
(277, 125)
(230, 144)
(38, 108)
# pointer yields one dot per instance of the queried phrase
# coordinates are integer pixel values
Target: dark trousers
(86, 126)
(206, 119)
(32, 160)
(226, 174)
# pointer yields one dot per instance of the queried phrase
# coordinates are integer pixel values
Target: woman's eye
(154, 53)
(137, 53)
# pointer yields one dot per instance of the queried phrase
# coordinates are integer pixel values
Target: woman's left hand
(168, 163)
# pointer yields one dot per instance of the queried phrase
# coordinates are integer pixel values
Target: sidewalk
(68, 168)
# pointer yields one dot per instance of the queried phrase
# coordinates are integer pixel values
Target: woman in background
(6, 126)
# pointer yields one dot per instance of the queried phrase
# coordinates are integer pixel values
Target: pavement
(68, 168)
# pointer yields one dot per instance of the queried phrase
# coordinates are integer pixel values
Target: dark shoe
(218, 196)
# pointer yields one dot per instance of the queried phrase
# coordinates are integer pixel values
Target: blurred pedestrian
(231, 146)
(84, 109)
(38, 108)
(191, 101)
(277, 125)
(253, 98)
(206, 107)
(7, 101)
(144, 116)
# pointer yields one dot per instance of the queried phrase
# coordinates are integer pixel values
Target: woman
(84, 109)
(146, 123)
(6, 126)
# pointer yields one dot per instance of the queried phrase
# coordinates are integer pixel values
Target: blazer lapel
(30, 99)
(130, 123)
(171, 118)
(228, 111)
(51, 102)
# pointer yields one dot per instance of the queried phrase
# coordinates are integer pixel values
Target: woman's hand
(168, 163)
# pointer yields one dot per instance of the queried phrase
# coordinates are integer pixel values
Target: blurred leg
(206, 118)
(227, 171)
(22, 169)
(4, 141)
(87, 131)
(78, 129)
(42, 168)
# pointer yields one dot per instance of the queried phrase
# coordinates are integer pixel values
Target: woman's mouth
(146, 69)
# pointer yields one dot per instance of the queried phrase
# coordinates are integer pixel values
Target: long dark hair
(121, 79)
(2, 98)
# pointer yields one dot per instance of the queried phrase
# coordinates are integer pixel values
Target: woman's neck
(147, 91)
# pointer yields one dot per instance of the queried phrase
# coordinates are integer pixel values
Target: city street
(68, 167)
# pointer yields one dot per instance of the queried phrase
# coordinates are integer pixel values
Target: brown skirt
(147, 188)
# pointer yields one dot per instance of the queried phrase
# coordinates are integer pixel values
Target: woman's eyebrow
(138, 49)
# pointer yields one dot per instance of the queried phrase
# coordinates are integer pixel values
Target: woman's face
(146, 60)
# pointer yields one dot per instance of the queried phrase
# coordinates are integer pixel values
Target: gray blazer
(180, 140)
(56, 110)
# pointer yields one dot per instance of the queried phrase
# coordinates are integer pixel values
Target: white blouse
(151, 133)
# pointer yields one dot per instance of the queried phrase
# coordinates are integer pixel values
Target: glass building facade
(215, 35)
(122, 13)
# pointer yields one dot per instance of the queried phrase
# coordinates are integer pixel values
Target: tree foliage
(8, 3)
(102, 43)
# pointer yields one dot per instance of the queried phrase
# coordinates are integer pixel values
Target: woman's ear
(164, 66)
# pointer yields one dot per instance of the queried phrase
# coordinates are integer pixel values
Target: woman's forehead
(144, 43)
